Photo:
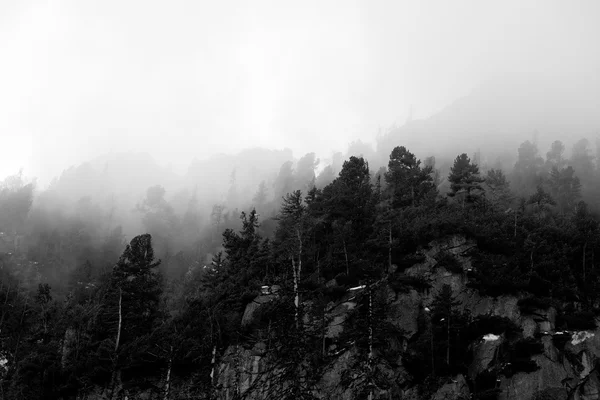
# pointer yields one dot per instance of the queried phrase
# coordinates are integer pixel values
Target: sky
(188, 79)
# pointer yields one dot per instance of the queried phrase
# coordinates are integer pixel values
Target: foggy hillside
(311, 201)
(500, 114)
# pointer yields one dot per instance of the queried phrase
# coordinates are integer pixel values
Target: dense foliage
(123, 323)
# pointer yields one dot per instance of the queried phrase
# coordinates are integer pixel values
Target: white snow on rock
(357, 288)
(490, 337)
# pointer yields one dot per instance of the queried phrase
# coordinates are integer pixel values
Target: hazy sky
(184, 79)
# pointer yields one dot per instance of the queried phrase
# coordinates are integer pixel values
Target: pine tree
(554, 157)
(464, 179)
(291, 235)
(129, 309)
(447, 321)
(260, 198)
(407, 181)
(498, 189)
(565, 188)
(527, 168)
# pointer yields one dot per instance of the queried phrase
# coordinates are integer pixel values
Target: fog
(188, 80)
(173, 119)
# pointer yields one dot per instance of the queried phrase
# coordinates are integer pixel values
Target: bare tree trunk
(212, 364)
(297, 270)
(584, 248)
(115, 374)
(120, 321)
(318, 267)
(323, 328)
(346, 255)
(296, 295)
(370, 341)
(531, 260)
(168, 379)
(448, 349)
(390, 248)
(515, 234)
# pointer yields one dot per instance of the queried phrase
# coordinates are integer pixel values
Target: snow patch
(357, 288)
(490, 337)
(580, 337)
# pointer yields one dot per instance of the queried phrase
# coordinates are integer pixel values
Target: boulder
(253, 306)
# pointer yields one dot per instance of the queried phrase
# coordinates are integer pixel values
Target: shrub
(403, 283)
(485, 386)
(528, 347)
(450, 262)
(484, 324)
(496, 275)
(520, 364)
(578, 321)
(539, 286)
(345, 280)
(531, 304)
(334, 293)
(490, 394)
(247, 297)
(408, 261)
(560, 340)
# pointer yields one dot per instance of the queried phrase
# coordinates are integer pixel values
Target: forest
(87, 314)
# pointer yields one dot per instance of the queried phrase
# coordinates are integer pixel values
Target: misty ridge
(519, 129)
(64, 240)
(321, 200)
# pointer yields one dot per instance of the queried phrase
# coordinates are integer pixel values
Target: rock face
(564, 373)
(337, 317)
(253, 306)
(404, 311)
(240, 369)
(484, 352)
(458, 389)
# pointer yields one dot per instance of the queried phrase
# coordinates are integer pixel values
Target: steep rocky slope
(566, 361)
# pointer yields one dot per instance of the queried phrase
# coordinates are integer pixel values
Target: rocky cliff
(564, 366)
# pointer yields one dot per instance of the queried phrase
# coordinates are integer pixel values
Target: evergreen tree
(527, 168)
(408, 182)
(498, 189)
(542, 201)
(582, 160)
(130, 307)
(464, 179)
(291, 235)
(565, 188)
(554, 157)
(305, 172)
(448, 322)
(260, 198)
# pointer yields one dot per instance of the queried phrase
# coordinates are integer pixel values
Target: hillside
(500, 114)
(373, 286)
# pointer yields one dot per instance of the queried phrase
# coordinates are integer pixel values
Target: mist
(206, 157)
(190, 80)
